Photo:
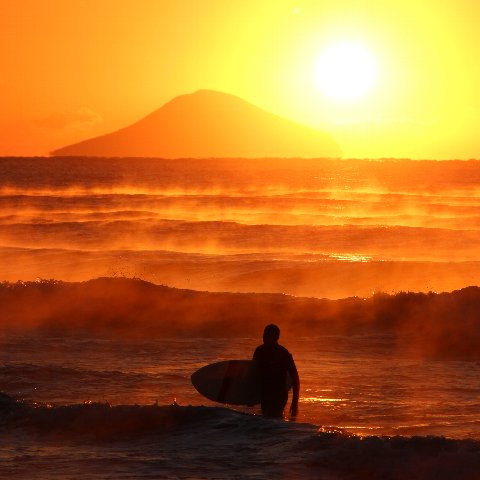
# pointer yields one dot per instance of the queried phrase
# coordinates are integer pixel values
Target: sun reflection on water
(351, 257)
(322, 400)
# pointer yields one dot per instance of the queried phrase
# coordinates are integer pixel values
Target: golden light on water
(351, 257)
(322, 400)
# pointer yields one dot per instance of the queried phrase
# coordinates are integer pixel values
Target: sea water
(351, 383)
(120, 404)
(100, 408)
(319, 228)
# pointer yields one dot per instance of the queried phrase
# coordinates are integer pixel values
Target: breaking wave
(445, 325)
(221, 443)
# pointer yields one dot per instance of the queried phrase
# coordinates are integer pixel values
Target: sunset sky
(73, 69)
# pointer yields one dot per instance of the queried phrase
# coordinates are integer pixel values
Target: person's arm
(295, 388)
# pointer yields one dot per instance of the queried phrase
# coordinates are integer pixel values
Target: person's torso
(274, 361)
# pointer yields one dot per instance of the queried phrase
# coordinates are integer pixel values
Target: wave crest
(443, 325)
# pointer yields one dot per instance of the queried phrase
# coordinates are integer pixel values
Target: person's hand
(293, 410)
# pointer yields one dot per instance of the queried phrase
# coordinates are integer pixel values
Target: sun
(346, 71)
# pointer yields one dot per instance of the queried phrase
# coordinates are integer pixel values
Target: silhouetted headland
(208, 124)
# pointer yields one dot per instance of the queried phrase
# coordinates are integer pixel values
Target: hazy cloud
(80, 118)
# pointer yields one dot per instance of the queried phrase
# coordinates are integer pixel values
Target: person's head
(271, 334)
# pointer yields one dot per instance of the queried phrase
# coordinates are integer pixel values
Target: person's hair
(271, 333)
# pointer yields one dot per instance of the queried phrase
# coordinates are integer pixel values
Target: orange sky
(72, 69)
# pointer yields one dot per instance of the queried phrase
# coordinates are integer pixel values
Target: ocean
(121, 277)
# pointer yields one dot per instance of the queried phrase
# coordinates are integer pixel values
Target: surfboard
(234, 382)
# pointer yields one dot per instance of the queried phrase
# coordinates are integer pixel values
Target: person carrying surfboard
(275, 361)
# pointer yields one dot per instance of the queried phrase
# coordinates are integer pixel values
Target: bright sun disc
(346, 71)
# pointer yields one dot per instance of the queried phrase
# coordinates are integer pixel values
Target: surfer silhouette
(275, 361)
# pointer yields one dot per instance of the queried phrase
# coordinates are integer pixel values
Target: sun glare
(346, 71)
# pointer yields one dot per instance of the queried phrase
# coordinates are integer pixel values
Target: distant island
(209, 124)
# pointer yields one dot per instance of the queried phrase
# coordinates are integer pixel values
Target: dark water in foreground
(357, 383)
(91, 411)
(214, 443)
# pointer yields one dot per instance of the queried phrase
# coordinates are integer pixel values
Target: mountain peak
(206, 124)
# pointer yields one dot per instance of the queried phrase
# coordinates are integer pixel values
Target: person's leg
(273, 405)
